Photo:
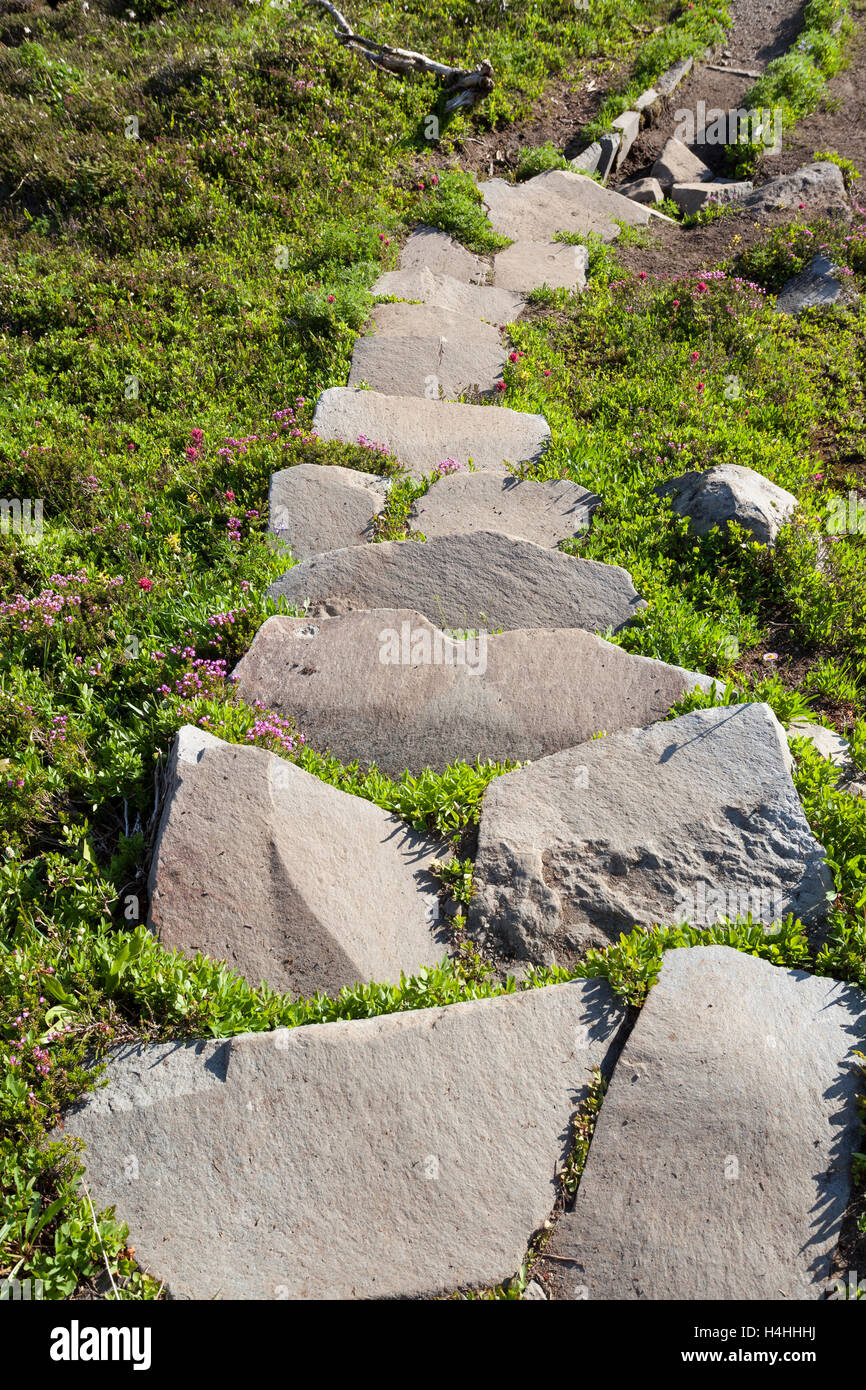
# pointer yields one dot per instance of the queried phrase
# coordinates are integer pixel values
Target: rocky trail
(417, 1153)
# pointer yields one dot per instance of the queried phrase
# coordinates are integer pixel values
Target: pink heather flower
(145, 584)
(447, 466)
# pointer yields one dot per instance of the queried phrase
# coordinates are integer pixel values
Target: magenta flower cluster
(58, 731)
(26, 1053)
(371, 444)
(51, 605)
(198, 680)
(195, 447)
(274, 729)
(445, 467)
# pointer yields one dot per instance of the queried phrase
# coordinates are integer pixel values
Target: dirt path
(840, 121)
(762, 30)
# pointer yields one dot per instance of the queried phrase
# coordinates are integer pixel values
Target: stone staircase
(412, 1154)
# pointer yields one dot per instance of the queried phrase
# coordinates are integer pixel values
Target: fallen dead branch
(461, 87)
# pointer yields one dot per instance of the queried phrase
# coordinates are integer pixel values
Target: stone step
(558, 201)
(422, 433)
(287, 879)
(315, 507)
(691, 197)
(678, 164)
(546, 513)
(496, 306)
(836, 749)
(647, 191)
(431, 368)
(399, 1156)
(720, 1164)
(527, 265)
(429, 321)
(390, 688)
(599, 157)
(628, 125)
(422, 350)
(688, 820)
(427, 248)
(485, 580)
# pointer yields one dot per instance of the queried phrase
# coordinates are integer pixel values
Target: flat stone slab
(497, 306)
(545, 513)
(836, 749)
(720, 1164)
(432, 368)
(315, 507)
(348, 1160)
(692, 197)
(480, 581)
(819, 181)
(689, 820)
(423, 432)
(628, 124)
(610, 145)
(390, 688)
(674, 75)
(428, 321)
(647, 98)
(558, 201)
(730, 492)
(642, 190)
(816, 287)
(527, 265)
(289, 880)
(678, 164)
(596, 157)
(428, 248)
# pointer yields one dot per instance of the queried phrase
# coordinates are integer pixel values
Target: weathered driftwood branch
(462, 88)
